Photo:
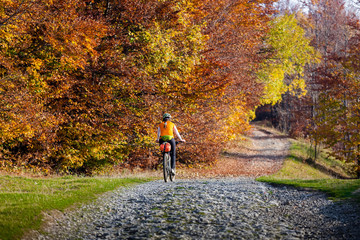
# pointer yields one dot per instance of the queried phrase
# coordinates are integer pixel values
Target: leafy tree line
(85, 83)
(329, 114)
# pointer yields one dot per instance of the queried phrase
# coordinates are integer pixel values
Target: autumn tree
(333, 83)
(284, 71)
(46, 46)
(329, 111)
(205, 79)
(84, 83)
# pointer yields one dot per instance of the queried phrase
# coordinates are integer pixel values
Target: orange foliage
(84, 83)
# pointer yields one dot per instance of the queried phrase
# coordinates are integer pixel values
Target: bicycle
(165, 148)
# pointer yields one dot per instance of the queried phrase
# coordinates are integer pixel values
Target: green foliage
(291, 52)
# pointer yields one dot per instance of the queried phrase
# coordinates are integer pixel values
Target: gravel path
(237, 208)
(214, 208)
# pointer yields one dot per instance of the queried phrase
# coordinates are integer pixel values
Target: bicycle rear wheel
(166, 166)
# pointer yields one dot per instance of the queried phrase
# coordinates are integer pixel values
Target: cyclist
(165, 133)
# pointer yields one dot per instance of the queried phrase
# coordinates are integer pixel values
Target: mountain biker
(165, 133)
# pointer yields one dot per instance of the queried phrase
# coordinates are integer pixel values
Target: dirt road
(263, 153)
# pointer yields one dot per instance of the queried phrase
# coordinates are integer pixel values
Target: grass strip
(23, 199)
(337, 189)
(297, 172)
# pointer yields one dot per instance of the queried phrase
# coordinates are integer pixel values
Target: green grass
(301, 152)
(298, 172)
(337, 189)
(23, 199)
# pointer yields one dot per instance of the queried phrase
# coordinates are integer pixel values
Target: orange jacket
(168, 130)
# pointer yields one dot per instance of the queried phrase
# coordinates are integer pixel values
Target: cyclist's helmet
(166, 115)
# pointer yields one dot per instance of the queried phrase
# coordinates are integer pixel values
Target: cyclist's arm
(158, 134)
(178, 134)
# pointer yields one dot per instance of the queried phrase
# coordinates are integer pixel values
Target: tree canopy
(85, 83)
(291, 53)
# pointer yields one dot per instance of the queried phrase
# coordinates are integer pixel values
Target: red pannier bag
(165, 147)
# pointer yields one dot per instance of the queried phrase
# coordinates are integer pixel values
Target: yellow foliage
(292, 51)
(237, 121)
(298, 87)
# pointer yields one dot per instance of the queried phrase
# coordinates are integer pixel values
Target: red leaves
(329, 114)
(98, 75)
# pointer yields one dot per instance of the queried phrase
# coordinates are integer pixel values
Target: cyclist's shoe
(173, 172)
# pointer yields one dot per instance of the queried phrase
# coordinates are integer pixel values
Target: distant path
(263, 154)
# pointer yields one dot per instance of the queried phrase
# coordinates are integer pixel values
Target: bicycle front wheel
(166, 166)
(172, 176)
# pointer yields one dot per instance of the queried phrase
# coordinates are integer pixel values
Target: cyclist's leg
(173, 153)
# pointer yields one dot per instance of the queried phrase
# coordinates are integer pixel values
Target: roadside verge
(24, 199)
(324, 174)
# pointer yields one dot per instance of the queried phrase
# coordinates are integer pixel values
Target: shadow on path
(257, 157)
